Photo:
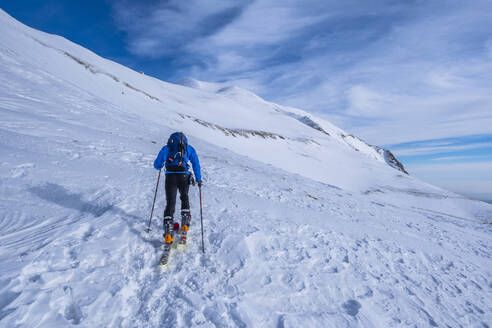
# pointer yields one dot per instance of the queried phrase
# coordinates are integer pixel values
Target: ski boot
(185, 218)
(185, 225)
(168, 230)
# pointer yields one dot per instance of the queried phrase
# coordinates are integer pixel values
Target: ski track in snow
(76, 185)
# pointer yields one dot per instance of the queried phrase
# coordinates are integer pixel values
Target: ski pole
(201, 216)
(153, 203)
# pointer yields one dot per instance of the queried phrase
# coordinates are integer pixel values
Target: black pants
(175, 181)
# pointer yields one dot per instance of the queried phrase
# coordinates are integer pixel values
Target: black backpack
(177, 158)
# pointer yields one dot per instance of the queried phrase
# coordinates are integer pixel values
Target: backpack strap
(182, 149)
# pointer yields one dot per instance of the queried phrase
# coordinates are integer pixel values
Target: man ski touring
(175, 156)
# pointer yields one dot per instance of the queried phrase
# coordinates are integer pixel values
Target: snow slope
(304, 224)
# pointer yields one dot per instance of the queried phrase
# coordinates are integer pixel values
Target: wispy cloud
(463, 158)
(168, 28)
(442, 149)
(471, 148)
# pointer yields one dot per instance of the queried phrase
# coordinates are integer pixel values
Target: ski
(183, 238)
(183, 241)
(185, 224)
(164, 260)
(179, 240)
(168, 246)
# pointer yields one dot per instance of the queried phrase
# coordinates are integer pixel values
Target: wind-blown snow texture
(304, 226)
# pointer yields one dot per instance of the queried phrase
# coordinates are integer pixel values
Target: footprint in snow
(88, 234)
(351, 307)
(73, 314)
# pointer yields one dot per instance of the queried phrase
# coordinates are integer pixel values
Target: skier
(175, 156)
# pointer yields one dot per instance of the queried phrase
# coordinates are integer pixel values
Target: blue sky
(414, 76)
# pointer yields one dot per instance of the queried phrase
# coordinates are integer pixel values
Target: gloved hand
(199, 184)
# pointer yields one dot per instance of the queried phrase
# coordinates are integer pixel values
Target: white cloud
(461, 158)
(423, 150)
(164, 28)
(264, 23)
(368, 103)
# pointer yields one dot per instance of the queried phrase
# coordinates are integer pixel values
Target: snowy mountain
(305, 224)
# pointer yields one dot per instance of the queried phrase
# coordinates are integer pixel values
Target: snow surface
(303, 226)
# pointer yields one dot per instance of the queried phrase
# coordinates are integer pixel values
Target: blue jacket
(189, 155)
